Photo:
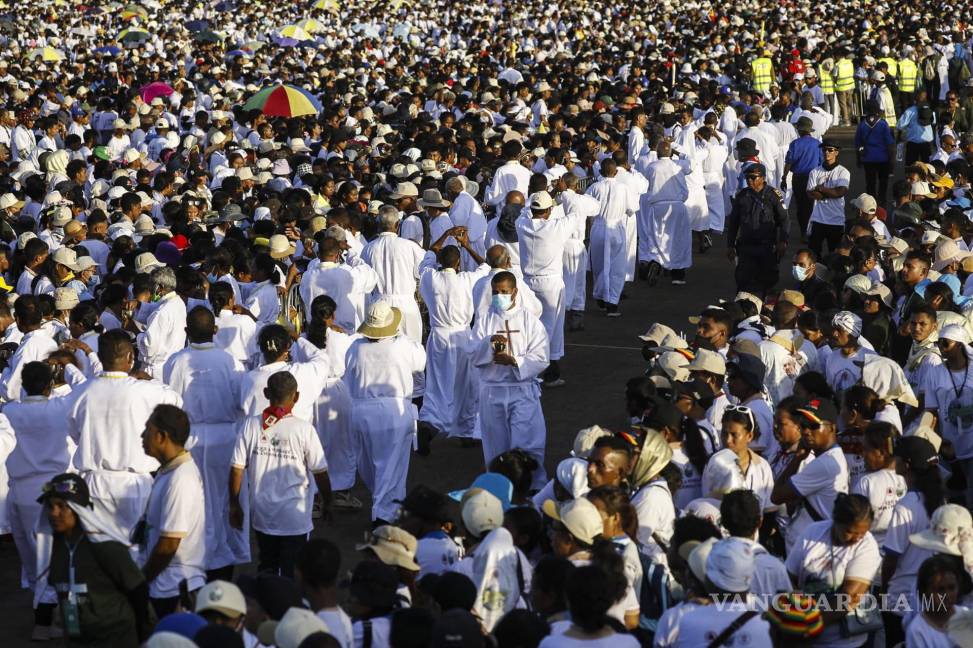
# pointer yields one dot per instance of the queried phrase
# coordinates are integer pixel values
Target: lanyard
(966, 374)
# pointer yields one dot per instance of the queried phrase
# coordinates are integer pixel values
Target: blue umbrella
(197, 25)
(108, 49)
(237, 52)
(226, 5)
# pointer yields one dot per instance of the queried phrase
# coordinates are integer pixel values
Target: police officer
(756, 232)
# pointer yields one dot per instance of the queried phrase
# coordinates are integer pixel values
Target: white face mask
(502, 302)
(799, 272)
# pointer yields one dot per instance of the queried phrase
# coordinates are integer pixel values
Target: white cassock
(164, 334)
(346, 283)
(449, 402)
(639, 185)
(311, 376)
(778, 147)
(636, 144)
(767, 150)
(208, 380)
(609, 239)
(665, 233)
(332, 411)
(513, 247)
(729, 123)
(483, 294)
(34, 447)
(542, 244)
(713, 179)
(510, 398)
(512, 176)
(578, 208)
(36, 345)
(466, 212)
(379, 378)
(396, 263)
(237, 335)
(695, 155)
(106, 422)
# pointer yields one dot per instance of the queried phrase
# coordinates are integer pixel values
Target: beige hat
(663, 335)
(66, 257)
(120, 123)
(675, 364)
(317, 224)
(223, 597)
(579, 516)
(921, 188)
(65, 298)
(297, 145)
(10, 201)
(432, 198)
(795, 297)
(73, 227)
(698, 553)
(883, 293)
(131, 155)
(865, 203)
(541, 201)
(393, 546)
(281, 247)
(295, 626)
(146, 262)
(946, 253)
(382, 321)
(481, 511)
(584, 440)
(710, 361)
(244, 173)
(858, 283)
(85, 262)
(403, 190)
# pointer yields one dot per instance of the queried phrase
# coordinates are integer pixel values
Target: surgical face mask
(799, 272)
(503, 302)
(212, 278)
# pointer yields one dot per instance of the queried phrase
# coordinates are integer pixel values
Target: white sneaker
(678, 282)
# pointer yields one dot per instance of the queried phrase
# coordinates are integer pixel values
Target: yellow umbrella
(294, 31)
(311, 25)
(46, 54)
(326, 5)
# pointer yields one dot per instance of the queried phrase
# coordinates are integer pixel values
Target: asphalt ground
(598, 361)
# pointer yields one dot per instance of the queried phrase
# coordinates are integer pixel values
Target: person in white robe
(509, 349)
(578, 209)
(36, 344)
(346, 282)
(542, 236)
(693, 154)
(636, 135)
(766, 145)
(165, 329)
(635, 181)
(502, 230)
(498, 258)
(236, 330)
(511, 176)
(608, 244)
(665, 232)
(449, 402)
(207, 379)
(379, 367)
(106, 423)
(713, 176)
(466, 212)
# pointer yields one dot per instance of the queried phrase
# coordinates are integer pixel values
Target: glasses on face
(829, 149)
(751, 178)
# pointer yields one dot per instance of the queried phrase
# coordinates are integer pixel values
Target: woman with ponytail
(236, 328)
(918, 463)
(332, 408)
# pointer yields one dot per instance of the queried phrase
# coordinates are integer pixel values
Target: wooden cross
(506, 333)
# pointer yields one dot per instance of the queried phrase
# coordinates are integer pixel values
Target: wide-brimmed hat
(10, 201)
(946, 253)
(382, 321)
(404, 190)
(950, 524)
(432, 198)
(393, 546)
(281, 247)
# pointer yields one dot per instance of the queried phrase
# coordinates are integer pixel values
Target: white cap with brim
(950, 528)
(730, 564)
(296, 625)
(579, 516)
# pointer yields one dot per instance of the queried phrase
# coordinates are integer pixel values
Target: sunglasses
(753, 177)
(60, 488)
(830, 149)
(743, 409)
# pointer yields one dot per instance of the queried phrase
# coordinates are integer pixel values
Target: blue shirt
(874, 141)
(914, 131)
(803, 154)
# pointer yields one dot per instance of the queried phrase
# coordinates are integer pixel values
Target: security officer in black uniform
(756, 232)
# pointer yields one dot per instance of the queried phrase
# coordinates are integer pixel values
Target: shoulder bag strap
(738, 623)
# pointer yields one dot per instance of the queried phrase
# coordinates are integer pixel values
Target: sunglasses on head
(60, 488)
(743, 409)
(829, 149)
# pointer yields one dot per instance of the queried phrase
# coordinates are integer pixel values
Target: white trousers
(23, 512)
(609, 256)
(386, 429)
(511, 417)
(212, 452)
(575, 274)
(449, 402)
(332, 420)
(550, 292)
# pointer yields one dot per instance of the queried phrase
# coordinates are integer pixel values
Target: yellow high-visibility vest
(908, 73)
(763, 74)
(893, 65)
(827, 81)
(844, 78)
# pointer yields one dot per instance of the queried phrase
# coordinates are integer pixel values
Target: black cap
(454, 590)
(749, 368)
(756, 168)
(69, 487)
(374, 584)
(817, 411)
(425, 503)
(696, 389)
(830, 142)
(662, 413)
(918, 452)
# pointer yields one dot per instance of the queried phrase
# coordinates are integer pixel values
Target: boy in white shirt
(279, 452)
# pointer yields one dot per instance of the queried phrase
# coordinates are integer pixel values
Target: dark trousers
(164, 606)
(757, 269)
(802, 203)
(894, 634)
(877, 180)
(278, 554)
(821, 233)
(917, 151)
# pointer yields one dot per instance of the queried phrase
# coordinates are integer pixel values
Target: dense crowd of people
(254, 252)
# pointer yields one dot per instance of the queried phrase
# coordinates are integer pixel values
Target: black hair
(591, 592)
(942, 564)
(525, 521)
(281, 385)
(927, 480)
(616, 502)
(692, 442)
(411, 627)
(85, 315)
(520, 629)
(220, 294)
(36, 377)
(517, 466)
(864, 400)
(881, 435)
(849, 509)
(273, 340)
(740, 513)
(27, 309)
(319, 562)
(173, 421)
(815, 384)
(322, 308)
(551, 577)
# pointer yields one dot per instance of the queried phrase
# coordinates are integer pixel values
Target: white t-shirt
(690, 488)
(763, 438)
(951, 393)
(176, 510)
(920, 634)
(909, 516)
(339, 625)
(667, 630)
(656, 513)
(842, 371)
(381, 626)
(819, 565)
(819, 481)
(611, 641)
(829, 211)
(279, 462)
(883, 488)
(436, 552)
(700, 626)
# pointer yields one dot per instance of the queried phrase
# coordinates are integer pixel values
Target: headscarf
(506, 227)
(886, 377)
(656, 455)
(848, 322)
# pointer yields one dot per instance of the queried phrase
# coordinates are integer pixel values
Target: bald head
(200, 325)
(515, 198)
(497, 256)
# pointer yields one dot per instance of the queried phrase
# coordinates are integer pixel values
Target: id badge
(72, 619)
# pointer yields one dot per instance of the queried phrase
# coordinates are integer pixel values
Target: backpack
(929, 65)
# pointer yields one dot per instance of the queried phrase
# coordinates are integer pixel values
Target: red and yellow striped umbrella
(284, 101)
